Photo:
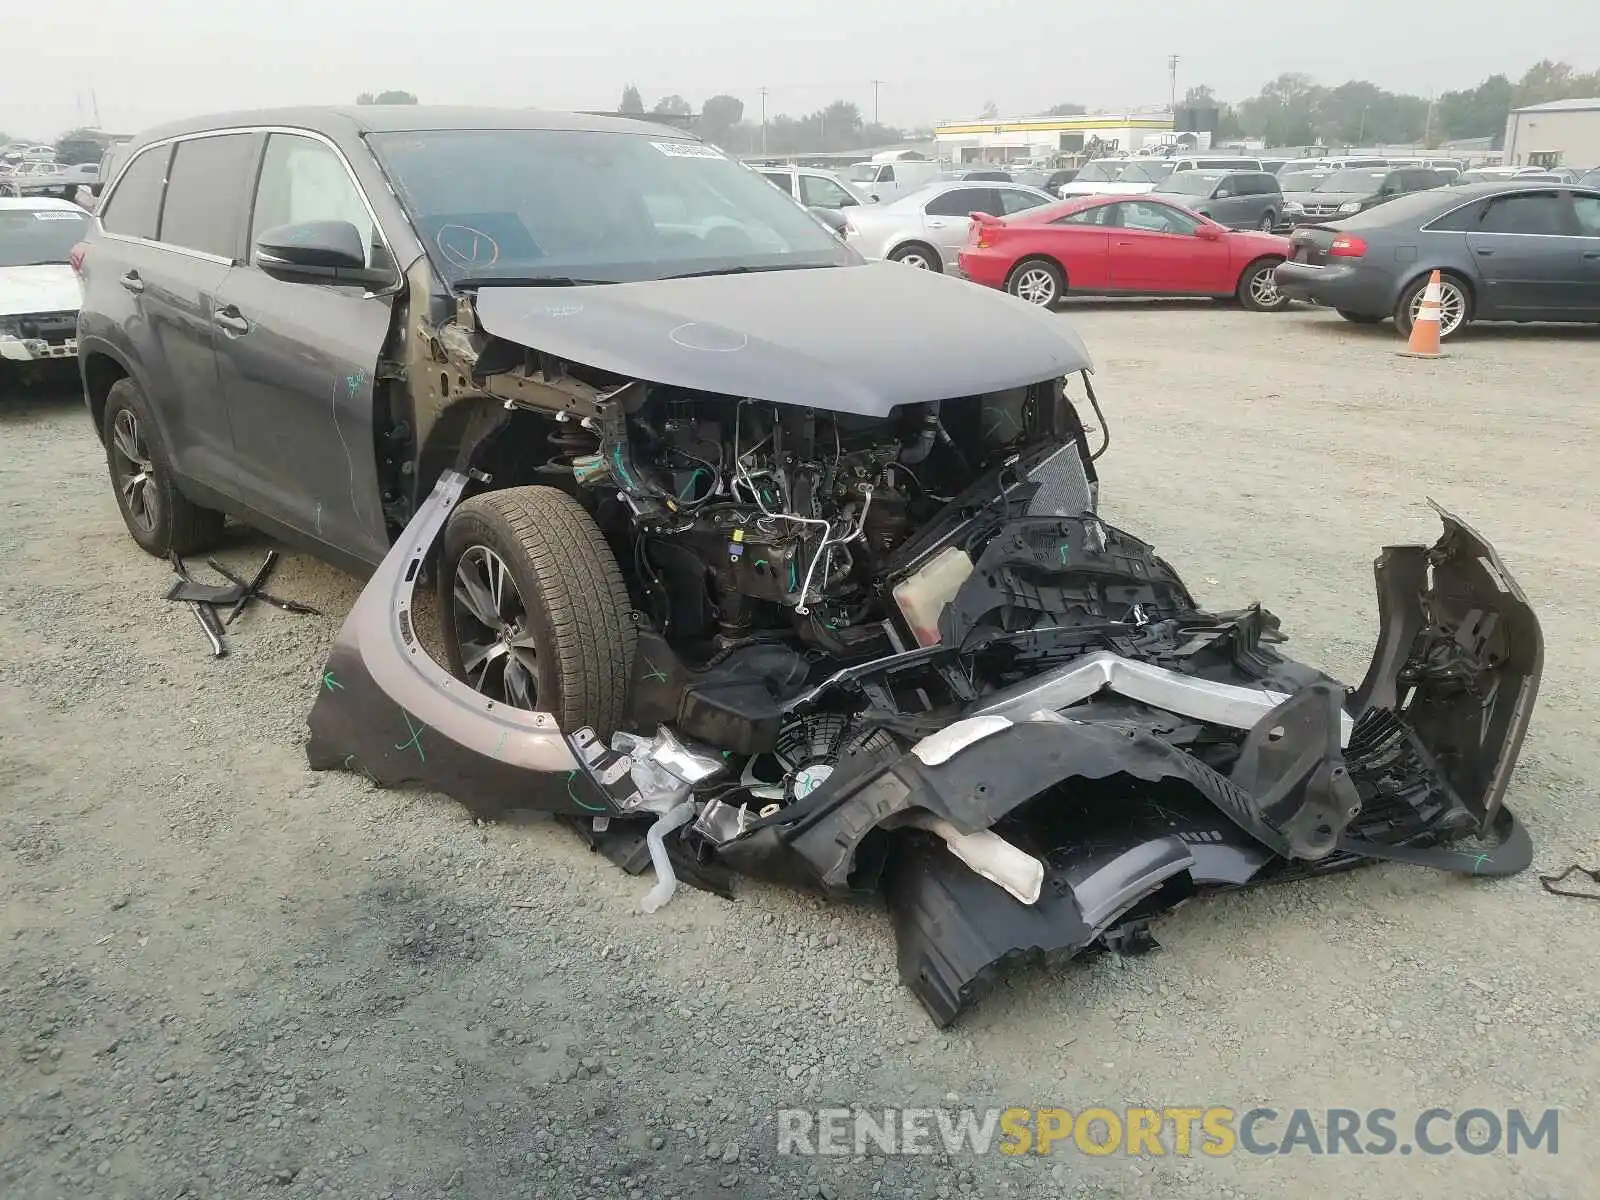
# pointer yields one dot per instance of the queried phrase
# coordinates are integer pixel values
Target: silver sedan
(928, 227)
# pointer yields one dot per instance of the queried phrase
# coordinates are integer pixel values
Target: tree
(1065, 110)
(1200, 95)
(672, 106)
(386, 98)
(990, 112)
(1478, 112)
(719, 115)
(632, 103)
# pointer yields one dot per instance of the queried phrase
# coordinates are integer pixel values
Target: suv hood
(858, 339)
(49, 288)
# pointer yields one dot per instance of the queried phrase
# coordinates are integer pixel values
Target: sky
(157, 60)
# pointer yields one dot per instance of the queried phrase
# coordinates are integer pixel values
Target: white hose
(656, 839)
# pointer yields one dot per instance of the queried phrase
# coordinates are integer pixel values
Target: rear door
(298, 359)
(947, 217)
(1526, 248)
(1154, 248)
(1586, 210)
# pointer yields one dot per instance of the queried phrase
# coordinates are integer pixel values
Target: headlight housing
(1293, 206)
(1350, 206)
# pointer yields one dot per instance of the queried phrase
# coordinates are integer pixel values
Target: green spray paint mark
(329, 682)
(573, 796)
(415, 741)
(1478, 862)
(688, 488)
(500, 744)
(1063, 552)
(655, 674)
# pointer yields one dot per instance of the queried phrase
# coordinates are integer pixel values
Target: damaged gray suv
(751, 557)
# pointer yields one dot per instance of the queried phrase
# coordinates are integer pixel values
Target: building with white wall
(1562, 133)
(1019, 138)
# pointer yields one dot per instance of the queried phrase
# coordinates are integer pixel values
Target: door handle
(229, 320)
(132, 282)
(1485, 253)
(1591, 254)
(936, 224)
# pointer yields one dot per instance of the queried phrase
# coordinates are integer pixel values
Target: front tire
(534, 608)
(1455, 306)
(158, 516)
(919, 255)
(1258, 291)
(1038, 281)
(1268, 222)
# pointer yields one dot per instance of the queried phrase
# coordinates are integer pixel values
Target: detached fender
(386, 708)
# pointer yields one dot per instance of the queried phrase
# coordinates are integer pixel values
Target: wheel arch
(478, 433)
(101, 369)
(907, 243)
(1040, 256)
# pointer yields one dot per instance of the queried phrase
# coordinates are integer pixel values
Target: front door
(1525, 248)
(1155, 249)
(1586, 208)
(297, 362)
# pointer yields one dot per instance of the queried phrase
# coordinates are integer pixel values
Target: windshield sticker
(42, 214)
(687, 150)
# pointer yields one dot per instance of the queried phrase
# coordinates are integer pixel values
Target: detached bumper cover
(1135, 784)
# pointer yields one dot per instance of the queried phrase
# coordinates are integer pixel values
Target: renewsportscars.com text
(1179, 1131)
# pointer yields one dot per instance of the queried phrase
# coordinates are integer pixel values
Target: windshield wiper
(478, 281)
(743, 269)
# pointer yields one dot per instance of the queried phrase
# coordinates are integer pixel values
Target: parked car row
(1513, 250)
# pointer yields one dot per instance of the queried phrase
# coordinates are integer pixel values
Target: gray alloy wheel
(1453, 307)
(1268, 220)
(1037, 283)
(498, 655)
(915, 256)
(133, 471)
(1258, 289)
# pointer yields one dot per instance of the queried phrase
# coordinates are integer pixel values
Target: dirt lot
(225, 976)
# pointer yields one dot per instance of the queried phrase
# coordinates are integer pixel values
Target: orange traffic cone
(1424, 341)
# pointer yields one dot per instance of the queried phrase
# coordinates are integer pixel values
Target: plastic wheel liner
(1052, 816)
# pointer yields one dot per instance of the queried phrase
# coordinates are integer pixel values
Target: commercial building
(1562, 133)
(1021, 138)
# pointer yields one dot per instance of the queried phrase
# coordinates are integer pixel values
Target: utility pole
(876, 83)
(763, 120)
(94, 107)
(1427, 122)
(1172, 82)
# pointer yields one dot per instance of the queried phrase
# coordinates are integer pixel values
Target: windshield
(1300, 181)
(1102, 172)
(594, 207)
(34, 236)
(863, 173)
(1192, 183)
(1351, 181)
(1150, 172)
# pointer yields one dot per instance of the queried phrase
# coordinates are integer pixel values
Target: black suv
(790, 557)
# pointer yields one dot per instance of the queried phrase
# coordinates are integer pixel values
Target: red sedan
(1122, 246)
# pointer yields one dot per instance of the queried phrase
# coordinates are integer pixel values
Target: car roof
(406, 118)
(38, 202)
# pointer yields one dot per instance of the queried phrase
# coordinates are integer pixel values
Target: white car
(39, 292)
(928, 228)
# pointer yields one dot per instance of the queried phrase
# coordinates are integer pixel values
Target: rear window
(1352, 181)
(32, 237)
(134, 207)
(1415, 207)
(1192, 183)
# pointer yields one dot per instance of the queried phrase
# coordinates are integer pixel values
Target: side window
(818, 191)
(886, 175)
(302, 179)
(1531, 212)
(1266, 185)
(134, 207)
(1086, 216)
(208, 193)
(1014, 201)
(958, 202)
(1149, 217)
(783, 179)
(1464, 218)
(1588, 213)
(1227, 187)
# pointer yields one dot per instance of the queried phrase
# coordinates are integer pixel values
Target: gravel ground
(225, 976)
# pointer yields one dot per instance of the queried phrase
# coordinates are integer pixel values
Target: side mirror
(1208, 232)
(318, 252)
